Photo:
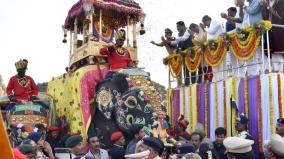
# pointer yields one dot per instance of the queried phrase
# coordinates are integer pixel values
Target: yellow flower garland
(214, 58)
(233, 110)
(216, 105)
(240, 42)
(246, 96)
(245, 52)
(192, 64)
(206, 108)
(282, 92)
(245, 49)
(175, 64)
(271, 109)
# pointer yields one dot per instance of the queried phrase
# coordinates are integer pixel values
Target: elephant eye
(131, 102)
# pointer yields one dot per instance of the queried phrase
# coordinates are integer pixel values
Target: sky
(31, 29)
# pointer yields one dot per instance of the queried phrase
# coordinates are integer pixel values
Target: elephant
(117, 107)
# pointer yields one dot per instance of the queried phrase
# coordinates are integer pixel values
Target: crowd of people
(238, 17)
(54, 143)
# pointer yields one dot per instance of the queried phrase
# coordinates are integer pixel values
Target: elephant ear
(130, 110)
(120, 82)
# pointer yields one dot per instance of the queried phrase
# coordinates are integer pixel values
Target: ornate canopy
(114, 13)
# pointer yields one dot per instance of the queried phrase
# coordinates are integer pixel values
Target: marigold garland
(279, 95)
(215, 57)
(245, 52)
(206, 108)
(282, 92)
(246, 96)
(245, 47)
(259, 114)
(233, 119)
(271, 110)
(225, 105)
(192, 63)
(175, 64)
(216, 104)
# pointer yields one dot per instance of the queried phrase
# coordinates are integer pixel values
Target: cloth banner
(210, 105)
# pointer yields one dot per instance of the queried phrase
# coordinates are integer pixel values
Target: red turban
(183, 124)
(53, 128)
(116, 136)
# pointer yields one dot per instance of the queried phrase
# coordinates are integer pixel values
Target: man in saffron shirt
(118, 57)
(20, 86)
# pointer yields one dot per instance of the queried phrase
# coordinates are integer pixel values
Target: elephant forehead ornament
(105, 97)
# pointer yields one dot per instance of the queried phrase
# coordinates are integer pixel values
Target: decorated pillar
(101, 29)
(75, 43)
(134, 36)
(127, 32)
(90, 32)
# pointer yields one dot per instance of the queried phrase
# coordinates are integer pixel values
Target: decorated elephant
(117, 107)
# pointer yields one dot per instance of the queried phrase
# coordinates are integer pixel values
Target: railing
(261, 63)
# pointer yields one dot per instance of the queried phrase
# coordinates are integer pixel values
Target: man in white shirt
(95, 151)
(213, 30)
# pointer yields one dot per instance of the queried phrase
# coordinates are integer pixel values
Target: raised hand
(224, 15)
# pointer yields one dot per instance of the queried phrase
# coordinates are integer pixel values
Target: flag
(6, 150)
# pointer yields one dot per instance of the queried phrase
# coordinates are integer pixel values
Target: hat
(280, 121)
(53, 128)
(191, 156)
(27, 148)
(140, 155)
(277, 145)
(35, 136)
(185, 148)
(119, 35)
(154, 143)
(72, 141)
(242, 119)
(116, 136)
(238, 145)
(21, 64)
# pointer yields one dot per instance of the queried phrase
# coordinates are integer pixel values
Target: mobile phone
(62, 153)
